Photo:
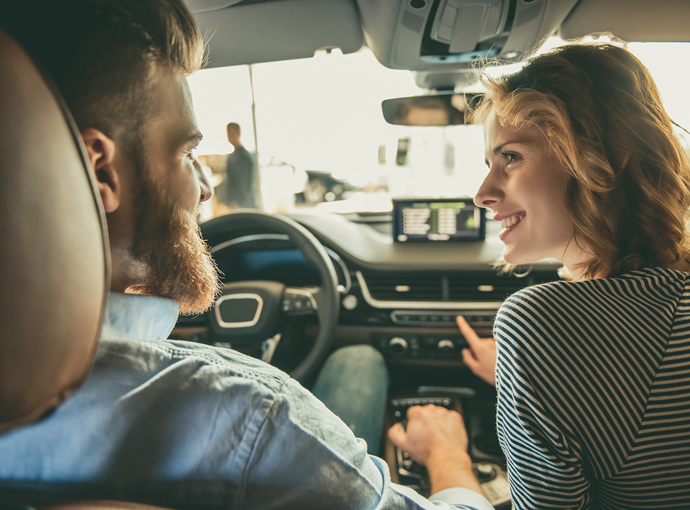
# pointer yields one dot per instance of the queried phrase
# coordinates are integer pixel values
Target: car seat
(54, 254)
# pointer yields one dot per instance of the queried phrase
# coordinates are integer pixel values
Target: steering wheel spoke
(268, 348)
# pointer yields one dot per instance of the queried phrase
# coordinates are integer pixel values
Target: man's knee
(363, 357)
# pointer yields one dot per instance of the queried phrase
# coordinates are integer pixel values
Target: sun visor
(253, 32)
(630, 20)
(209, 5)
(454, 34)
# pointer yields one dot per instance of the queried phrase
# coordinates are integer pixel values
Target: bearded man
(177, 423)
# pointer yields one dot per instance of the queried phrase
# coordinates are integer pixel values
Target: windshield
(316, 133)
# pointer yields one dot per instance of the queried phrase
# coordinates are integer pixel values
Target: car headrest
(54, 254)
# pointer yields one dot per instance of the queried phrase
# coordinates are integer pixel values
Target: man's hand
(436, 438)
(481, 355)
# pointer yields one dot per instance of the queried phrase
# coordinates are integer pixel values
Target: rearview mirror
(445, 109)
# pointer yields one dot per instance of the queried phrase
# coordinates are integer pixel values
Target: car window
(320, 140)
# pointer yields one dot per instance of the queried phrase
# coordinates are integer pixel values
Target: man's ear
(101, 151)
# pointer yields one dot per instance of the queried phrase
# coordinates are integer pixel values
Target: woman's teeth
(512, 220)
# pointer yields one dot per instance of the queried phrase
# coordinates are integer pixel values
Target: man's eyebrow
(193, 138)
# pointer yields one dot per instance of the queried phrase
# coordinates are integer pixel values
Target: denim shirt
(188, 425)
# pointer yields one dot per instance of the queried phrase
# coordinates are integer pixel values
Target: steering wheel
(251, 312)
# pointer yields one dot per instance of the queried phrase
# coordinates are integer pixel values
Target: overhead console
(437, 35)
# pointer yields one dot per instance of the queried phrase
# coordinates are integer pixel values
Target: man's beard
(168, 241)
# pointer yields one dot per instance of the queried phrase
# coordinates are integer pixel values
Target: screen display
(443, 219)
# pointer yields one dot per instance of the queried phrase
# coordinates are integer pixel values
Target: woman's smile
(510, 223)
(524, 179)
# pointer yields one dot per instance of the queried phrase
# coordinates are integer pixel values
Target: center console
(479, 418)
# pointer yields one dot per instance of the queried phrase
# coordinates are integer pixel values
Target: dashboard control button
(397, 345)
(350, 302)
(430, 341)
(445, 347)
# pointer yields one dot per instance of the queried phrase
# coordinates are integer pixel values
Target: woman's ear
(101, 151)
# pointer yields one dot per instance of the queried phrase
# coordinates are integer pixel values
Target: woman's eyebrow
(498, 148)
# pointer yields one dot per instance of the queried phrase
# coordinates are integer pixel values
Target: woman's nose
(489, 193)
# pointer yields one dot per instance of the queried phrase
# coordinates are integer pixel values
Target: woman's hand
(480, 358)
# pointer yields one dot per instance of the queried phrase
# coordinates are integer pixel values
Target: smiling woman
(525, 188)
(585, 167)
(609, 133)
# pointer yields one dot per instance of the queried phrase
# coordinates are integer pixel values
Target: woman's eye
(511, 157)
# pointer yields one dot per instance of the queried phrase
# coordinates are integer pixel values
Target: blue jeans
(353, 384)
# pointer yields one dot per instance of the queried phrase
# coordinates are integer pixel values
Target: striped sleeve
(544, 467)
(592, 381)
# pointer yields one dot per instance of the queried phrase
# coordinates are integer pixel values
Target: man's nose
(204, 183)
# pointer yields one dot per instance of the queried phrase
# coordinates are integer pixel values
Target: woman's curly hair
(628, 192)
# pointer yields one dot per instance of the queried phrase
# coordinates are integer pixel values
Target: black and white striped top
(593, 382)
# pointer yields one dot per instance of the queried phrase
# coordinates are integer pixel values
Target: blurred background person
(241, 174)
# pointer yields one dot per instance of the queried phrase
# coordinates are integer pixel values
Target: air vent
(457, 287)
(489, 286)
(404, 286)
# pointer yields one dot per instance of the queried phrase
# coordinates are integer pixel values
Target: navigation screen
(443, 219)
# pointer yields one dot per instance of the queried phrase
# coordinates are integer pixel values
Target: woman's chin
(514, 257)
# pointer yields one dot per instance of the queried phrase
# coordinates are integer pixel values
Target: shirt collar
(135, 317)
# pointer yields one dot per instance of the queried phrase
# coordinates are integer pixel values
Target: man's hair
(235, 126)
(102, 54)
(628, 187)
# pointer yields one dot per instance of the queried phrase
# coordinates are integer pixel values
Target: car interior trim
(426, 318)
(243, 324)
(344, 289)
(424, 305)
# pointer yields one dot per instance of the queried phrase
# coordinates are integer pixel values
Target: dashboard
(402, 298)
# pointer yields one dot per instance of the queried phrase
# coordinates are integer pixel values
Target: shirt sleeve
(464, 499)
(306, 457)
(544, 464)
